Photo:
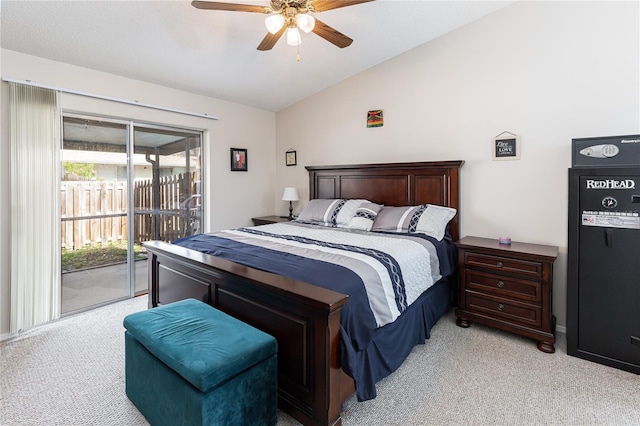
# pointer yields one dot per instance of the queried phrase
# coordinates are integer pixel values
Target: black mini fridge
(603, 271)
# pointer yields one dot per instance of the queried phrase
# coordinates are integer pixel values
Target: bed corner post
(340, 388)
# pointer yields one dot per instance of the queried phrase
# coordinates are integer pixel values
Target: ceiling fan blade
(331, 34)
(322, 5)
(270, 40)
(234, 7)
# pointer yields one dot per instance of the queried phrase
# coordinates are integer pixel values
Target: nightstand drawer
(508, 287)
(503, 264)
(509, 310)
(503, 286)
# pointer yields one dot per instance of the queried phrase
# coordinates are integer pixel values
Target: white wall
(548, 71)
(232, 197)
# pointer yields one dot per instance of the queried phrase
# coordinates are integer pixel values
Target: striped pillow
(364, 217)
(395, 219)
(329, 212)
(427, 219)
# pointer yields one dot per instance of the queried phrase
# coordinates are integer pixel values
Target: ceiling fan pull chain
(298, 55)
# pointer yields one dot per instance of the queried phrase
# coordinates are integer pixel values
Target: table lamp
(290, 194)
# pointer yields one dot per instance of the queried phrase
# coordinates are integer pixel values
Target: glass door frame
(131, 125)
(130, 212)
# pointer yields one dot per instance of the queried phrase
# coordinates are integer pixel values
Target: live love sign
(505, 148)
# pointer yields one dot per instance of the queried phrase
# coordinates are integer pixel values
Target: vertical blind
(35, 246)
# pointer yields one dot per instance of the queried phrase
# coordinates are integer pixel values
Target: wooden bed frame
(305, 319)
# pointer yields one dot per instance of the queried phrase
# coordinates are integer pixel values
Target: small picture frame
(290, 158)
(506, 146)
(239, 160)
(374, 118)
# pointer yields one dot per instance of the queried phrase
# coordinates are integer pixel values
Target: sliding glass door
(94, 204)
(122, 184)
(167, 202)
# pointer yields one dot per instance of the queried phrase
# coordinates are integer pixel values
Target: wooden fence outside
(95, 212)
(175, 214)
(92, 213)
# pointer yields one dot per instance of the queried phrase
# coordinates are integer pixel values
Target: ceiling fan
(289, 16)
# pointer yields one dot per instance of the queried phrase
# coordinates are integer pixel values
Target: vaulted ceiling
(213, 53)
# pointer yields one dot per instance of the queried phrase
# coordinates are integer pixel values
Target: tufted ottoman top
(202, 344)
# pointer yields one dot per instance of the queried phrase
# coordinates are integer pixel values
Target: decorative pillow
(427, 219)
(329, 212)
(318, 210)
(364, 217)
(396, 219)
(434, 220)
(347, 211)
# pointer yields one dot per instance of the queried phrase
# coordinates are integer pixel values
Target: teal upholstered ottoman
(187, 363)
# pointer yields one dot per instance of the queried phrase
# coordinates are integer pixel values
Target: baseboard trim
(7, 336)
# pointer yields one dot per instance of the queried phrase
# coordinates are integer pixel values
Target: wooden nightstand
(507, 287)
(266, 220)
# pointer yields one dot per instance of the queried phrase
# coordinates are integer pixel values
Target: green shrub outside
(100, 255)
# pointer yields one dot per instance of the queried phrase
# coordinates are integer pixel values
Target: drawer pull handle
(499, 265)
(500, 307)
(500, 284)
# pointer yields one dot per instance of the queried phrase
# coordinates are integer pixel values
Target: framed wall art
(291, 158)
(374, 118)
(238, 160)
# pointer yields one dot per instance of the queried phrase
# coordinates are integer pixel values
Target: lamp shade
(274, 23)
(305, 22)
(293, 37)
(290, 194)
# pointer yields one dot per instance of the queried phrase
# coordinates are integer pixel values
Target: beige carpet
(71, 372)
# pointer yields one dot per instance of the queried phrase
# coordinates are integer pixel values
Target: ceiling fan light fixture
(305, 22)
(293, 37)
(274, 23)
(291, 15)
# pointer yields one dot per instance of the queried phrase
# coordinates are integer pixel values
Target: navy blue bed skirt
(392, 343)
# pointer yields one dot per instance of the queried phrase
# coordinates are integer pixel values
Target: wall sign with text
(506, 147)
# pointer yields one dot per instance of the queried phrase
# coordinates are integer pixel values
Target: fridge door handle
(608, 237)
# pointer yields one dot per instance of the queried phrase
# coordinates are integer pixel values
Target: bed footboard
(305, 320)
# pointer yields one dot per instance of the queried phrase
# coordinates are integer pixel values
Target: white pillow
(347, 212)
(434, 220)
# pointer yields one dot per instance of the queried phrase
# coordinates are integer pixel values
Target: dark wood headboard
(392, 184)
